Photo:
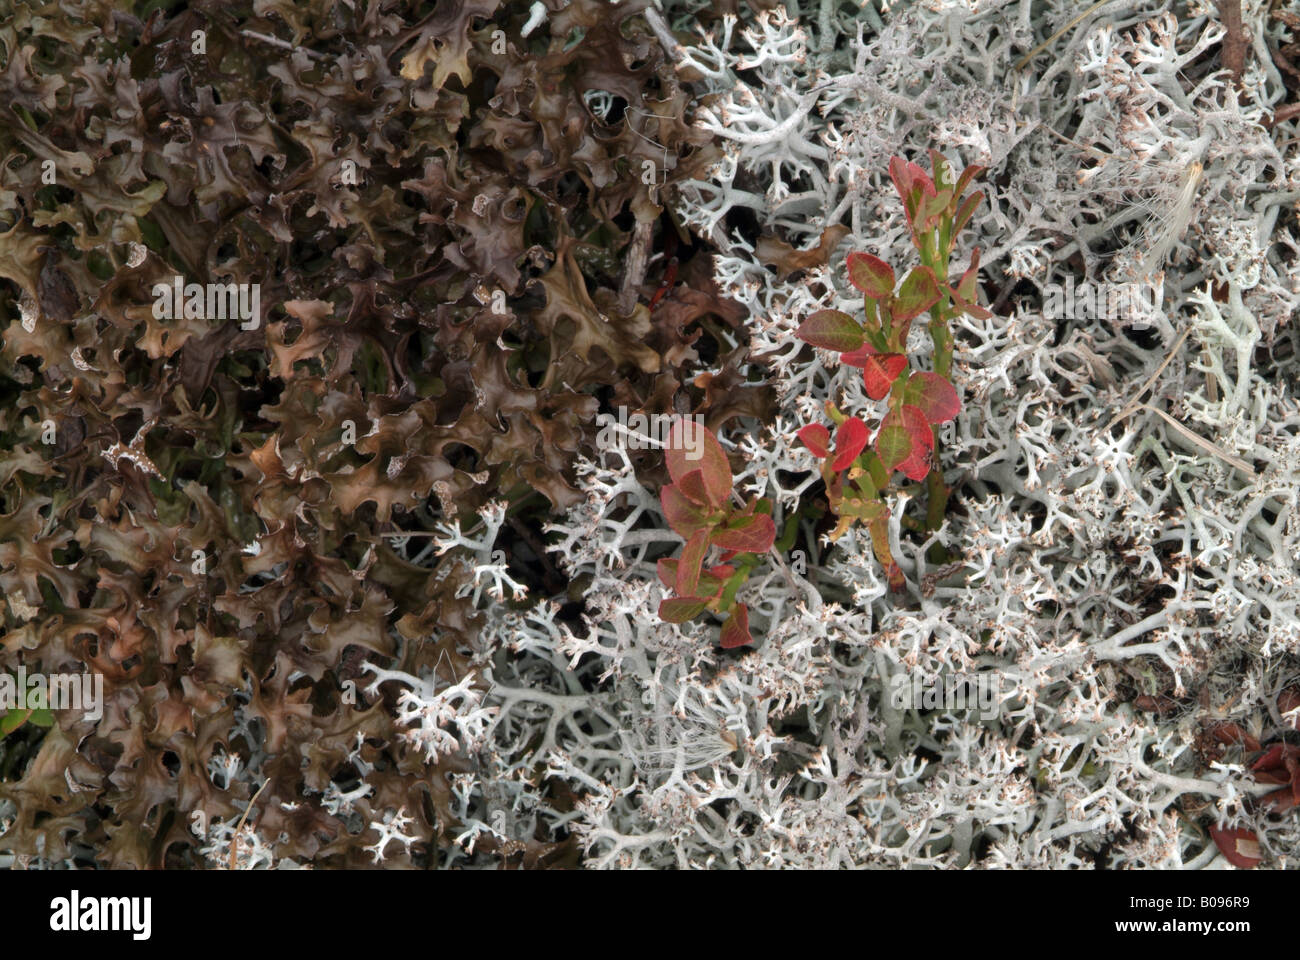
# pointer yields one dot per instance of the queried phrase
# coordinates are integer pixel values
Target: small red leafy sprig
(858, 469)
(1277, 764)
(1240, 847)
(1280, 766)
(700, 508)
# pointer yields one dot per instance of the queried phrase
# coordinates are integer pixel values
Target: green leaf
(919, 292)
(893, 442)
(752, 534)
(688, 568)
(11, 720)
(681, 609)
(744, 564)
(831, 330)
(735, 631)
(933, 207)
(712, 581)
(685, 516)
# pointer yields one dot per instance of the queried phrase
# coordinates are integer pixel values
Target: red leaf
(911, 183)
(859, 357)
(722, 571)
(692, 487)
(850, 440)
(684, 516)
(1275, 757)
(907, 175)
(1280, 801)
(933, 395)
(735, 631)
(817, 439)
(967, 175)
(917, 465)
(688, 568)
(919, 292)
(1231, 733)
(670, 276)
(966, 211)
(871, 275)
(831, 330)
(1271, 776)
(693, 447)
(680, 609)
(893, 442)
(752, 534)
(880, 371)
(1239, 847)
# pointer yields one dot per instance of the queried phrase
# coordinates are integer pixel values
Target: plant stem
(941, 335)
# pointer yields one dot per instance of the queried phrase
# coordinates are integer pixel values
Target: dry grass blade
(234, 837)
(1135, 402)
(1201, 442)
(1059, 33)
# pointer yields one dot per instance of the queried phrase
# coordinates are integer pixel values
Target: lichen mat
(566, 434)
